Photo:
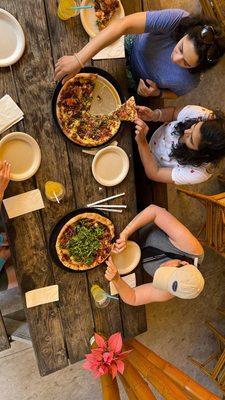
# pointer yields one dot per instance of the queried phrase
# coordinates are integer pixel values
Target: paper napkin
(23, 203)
(114, 50)
(129, 279)
(43, 295)
(10, 113)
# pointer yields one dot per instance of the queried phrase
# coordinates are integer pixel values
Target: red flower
(107, 357)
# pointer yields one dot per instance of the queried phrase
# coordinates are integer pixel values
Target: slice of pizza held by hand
(127, 111)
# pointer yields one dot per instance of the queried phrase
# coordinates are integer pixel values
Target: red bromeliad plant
(107, 357)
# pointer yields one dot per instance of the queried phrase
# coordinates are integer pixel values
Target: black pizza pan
(112, 80)
(57, 228)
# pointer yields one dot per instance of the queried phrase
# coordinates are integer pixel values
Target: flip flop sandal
(2, 238)
(2, 263)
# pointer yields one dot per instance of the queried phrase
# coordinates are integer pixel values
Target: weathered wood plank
(4, 340)
(133, 319)
(75, 305)
(32, 263)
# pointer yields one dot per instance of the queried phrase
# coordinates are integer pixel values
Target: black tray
(105, 75)
(57, 228)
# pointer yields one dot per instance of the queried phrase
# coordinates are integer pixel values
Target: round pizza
(74, 117)
(85, 241)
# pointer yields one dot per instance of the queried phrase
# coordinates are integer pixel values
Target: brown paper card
(43, 295)
(23, 203)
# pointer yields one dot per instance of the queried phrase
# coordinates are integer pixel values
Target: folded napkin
(23, 203)
(114, 50)
(10, 113)
(129, 279)
(44, 295)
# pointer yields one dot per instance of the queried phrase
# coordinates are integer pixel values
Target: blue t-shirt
(151, 53)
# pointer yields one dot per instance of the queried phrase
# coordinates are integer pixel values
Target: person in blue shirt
(166, 50)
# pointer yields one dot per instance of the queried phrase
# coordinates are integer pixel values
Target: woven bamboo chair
(144, 367)
(217, 372)
(214, 225)
(214, 9)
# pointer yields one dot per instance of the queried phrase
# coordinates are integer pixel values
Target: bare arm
(4, 177)
(133, 24)
(142, 294)
(176, 231)
(152, 169)
(167, 114)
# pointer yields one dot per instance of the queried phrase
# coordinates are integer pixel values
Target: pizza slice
(127, 111)
(75, 97)
(104, 10)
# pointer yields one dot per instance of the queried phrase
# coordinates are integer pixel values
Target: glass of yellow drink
(54, 191)
(65, 11)
(100, 296)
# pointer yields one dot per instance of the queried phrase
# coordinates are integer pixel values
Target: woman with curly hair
(166, 51)
(186, 148)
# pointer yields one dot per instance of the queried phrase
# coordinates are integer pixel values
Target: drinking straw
(108, 209)
(112, 206)
(56, 198)
(106, 199)
(80, 7)
(112, 297)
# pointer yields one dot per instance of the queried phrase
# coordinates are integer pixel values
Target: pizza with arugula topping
(85, 241)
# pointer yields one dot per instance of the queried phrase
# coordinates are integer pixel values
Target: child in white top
(183, 149)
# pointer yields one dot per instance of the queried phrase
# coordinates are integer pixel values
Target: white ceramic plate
(12, 40)
(128, 259)
(23, 153)
(110, 166)
(88, 17)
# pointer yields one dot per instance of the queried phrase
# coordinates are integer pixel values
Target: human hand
(66, 67)
(145, 113)
(141, 130)
(111, 271)
(148, 91)
(4, 177)
(120, 244)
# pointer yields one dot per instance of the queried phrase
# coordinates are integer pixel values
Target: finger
(58, 75)
(120, 245)
(8, 171)
(151, 83)
(67, 77)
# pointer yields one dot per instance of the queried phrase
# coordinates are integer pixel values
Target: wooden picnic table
(61, 331)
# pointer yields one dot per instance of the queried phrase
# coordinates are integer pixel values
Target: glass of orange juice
(54, 191)
(65, 11)
(100, 296)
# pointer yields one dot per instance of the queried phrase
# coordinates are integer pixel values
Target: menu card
(23, 203)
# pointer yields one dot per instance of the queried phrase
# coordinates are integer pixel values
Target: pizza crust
(60, 252)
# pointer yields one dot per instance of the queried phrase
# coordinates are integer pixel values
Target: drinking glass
(100, 296)
(64, 9)
(54, 191)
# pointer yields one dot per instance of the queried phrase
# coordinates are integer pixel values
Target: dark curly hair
(212, 144)
(192, 26)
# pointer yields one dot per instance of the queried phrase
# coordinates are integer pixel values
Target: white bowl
(23, 143)
(128, 259)
(110, 166)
